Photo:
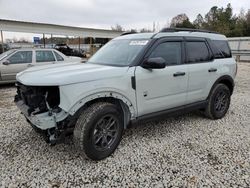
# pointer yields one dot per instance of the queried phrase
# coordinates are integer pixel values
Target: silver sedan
(17, 60)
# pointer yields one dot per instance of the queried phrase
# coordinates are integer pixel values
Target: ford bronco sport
(132, 78)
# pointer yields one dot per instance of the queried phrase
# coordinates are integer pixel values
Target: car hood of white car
(65, 73)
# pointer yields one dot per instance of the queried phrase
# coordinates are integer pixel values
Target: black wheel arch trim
(226, 79)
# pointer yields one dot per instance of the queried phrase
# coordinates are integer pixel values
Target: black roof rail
(174, 29)
(128, 33)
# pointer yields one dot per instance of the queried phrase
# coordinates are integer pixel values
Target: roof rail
(128, 33)
(174, 29)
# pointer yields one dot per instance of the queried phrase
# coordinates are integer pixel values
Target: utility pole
(2, 41)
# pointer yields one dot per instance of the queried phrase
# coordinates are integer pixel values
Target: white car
(132, 78)
(17, 60)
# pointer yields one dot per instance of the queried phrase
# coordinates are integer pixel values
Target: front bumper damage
(43, 121)
(40, 106)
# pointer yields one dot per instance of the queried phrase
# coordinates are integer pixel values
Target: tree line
(221, 20)
(218, 19)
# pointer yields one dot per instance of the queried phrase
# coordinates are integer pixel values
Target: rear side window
(223, 47)
(197, 51)
(58, 57)
(44, 56)
(170, 51)
(21, 57)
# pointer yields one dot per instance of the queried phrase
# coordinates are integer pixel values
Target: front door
(162, 89)
(14, 64)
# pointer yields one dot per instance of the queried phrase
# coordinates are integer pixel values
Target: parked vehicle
(4, 48)
(132, 78)
(66, 50)
(17, 60)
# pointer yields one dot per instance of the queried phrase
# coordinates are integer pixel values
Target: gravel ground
(185, 151)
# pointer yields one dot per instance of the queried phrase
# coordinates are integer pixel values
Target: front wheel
(218, 102)
(98, 130)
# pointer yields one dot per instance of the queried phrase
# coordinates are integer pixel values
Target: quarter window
(170, 51)
(44, 56)
(21, 57)
(58, 57)
(197, 52)
(223, 47)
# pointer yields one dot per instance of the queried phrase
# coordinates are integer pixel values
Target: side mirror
(154, 63)
(6, 62)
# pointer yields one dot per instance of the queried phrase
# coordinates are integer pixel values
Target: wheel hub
(221, 101)
(105, 132)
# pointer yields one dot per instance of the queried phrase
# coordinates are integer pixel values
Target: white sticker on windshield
(138, 42)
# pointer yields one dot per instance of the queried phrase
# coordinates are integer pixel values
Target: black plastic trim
(221, 79)
(133, 83)
(172, 112)
(174, 29)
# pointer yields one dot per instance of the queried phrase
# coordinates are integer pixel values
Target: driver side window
(21, 57)
(169, 51)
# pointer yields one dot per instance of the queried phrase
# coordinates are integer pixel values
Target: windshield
(5, 54)
(119, 52)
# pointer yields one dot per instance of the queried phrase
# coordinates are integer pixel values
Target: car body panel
(158, 89)
(152, 91)
(8, 72)
(201, 80)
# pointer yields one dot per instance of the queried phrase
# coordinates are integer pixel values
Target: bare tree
(117, 27)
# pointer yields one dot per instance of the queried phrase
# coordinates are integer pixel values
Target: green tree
(181, 20)
(199, 21)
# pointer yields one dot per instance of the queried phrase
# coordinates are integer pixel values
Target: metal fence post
(43, 40)
(91, 48)
(79, 44)
(51, 40)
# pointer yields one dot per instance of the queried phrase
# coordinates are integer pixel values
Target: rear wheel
(219, 102)
(98, 130)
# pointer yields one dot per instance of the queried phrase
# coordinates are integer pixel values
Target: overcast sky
(106, 13)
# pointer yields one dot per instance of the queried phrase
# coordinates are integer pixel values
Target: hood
(65, 73)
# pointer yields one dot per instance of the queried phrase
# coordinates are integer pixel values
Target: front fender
(72, 100)
(109, 94)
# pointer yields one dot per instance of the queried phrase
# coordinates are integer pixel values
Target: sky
(130, 14)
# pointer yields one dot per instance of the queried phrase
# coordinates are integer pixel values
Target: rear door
(162, 89)
(44, 57)
(59, 57)
(15, 63)
(202, 70)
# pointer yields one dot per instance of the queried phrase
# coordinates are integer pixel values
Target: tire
(98, 130)
(218, 102)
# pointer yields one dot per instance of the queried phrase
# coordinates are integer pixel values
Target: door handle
(29, 65)
(212, 70)
(179, 74)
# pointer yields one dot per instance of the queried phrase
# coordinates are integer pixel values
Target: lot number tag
(138, 42)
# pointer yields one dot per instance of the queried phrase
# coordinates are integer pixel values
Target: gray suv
(132, 78)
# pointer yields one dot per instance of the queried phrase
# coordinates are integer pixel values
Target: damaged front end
(40, 106)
